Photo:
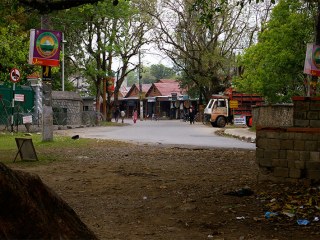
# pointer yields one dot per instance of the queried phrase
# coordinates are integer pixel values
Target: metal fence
(60, 119)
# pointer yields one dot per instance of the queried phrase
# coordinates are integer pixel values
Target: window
(221, 103)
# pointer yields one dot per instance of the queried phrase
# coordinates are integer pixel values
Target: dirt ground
(127, 191)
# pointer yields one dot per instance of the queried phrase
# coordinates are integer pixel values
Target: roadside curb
(241, 133)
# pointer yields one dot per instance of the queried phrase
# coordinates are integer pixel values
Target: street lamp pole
(62, 62)
(140, 89)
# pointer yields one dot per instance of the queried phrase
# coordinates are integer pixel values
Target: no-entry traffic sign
(15, 75)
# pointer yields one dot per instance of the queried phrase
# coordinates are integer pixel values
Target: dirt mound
(31, 210)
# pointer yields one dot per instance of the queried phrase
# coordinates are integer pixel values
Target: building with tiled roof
(134, 91)
(123, 91)
(165, 98)
(165, 89)
(131, 100)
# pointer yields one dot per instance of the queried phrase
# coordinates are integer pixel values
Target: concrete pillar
(47, 113)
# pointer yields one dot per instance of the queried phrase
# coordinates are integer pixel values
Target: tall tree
(274, 66)
(133, 33)
(203, 52)
(96, 32)
(101, 35)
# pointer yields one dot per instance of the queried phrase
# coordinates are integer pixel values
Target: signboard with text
(234, 104)
(46, 73)
(19, 97)
(27, 119)
(239, 120)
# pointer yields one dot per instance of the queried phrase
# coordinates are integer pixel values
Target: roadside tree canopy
(274, 66)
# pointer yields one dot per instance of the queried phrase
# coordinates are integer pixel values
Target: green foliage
(151, 74)
(132, 78)
(57, 83)
(160, 71)
(187, 83)
(147, 76)
(91, 32)
(274, 66)
(14, 38)
(15, 25)
(207, 9)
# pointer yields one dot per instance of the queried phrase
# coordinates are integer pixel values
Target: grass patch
(7, 141)
(112, 124)
(252, 129)
(46, 151)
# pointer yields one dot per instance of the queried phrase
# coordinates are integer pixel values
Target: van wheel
(213, 124)
(221, 122)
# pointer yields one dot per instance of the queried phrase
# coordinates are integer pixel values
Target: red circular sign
(15, 75)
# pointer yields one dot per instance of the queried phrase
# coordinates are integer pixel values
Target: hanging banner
(312, 61)
(44, 47)
(111, 81)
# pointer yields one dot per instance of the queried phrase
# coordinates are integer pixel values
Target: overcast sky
(151, 55)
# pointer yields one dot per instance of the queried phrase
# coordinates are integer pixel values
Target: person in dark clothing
(116, 114)
(191, 115)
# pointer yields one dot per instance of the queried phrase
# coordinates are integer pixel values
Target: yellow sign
(142, 96)
(233, 104)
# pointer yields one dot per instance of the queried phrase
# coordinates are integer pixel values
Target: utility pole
(62, 62)
(12, 106)
(47, 111)
(140, 89)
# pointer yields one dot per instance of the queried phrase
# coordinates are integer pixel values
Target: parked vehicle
(232, 107)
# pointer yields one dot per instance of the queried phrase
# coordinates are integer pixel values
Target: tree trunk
(31, 210)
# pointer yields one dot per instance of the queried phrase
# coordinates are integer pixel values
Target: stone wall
(288, 154)
(306, 112)
(278, 115)
(89, 118)
(72, 103)
(291, 153)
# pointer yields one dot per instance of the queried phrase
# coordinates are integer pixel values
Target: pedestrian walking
(135, 116)
(116, 114)
(122, 114)
(191, 115)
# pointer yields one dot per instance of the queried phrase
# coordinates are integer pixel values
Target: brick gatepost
(292, 154)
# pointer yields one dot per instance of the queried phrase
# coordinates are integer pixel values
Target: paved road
(172, 132)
